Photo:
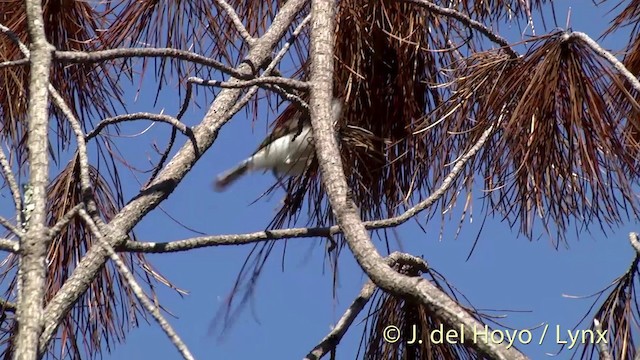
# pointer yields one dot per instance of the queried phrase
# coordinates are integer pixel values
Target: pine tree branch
(331, 341)
(346, 212)
(469, 22)
(635, 242)
(294, 233)
(33, 246)
(136, 289)
(85, 57)
(184, 129)
(603, 347)
(263, 80)
(167, 180)
(617, 64)
(250, 40)
(4, 162)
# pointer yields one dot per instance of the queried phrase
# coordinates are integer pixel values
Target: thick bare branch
(158, 190)
(137, 290)
(345, 210)
(33, 246)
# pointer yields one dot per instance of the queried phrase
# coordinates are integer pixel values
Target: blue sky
(294, 309)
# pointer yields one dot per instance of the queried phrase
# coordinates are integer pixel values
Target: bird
(287, 151)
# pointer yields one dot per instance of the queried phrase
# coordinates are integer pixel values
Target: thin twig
(250, 40)
(76, 126)
(136, 289)
(13, 186)
(465, 19)
(332, 339)
(140, 116)
(8, 306)
(172, 137)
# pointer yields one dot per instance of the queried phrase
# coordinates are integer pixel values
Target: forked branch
(331, 341)
(347, 215)
(203, 137)
(135, 287)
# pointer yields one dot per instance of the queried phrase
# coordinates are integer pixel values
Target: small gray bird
(287, 151)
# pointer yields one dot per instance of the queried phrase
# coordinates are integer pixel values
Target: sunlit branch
(250, 40)
(617, 64)
(10, 63)
(81, 57)
(253, 84)
(9, 245)
(469, 22)
(64, 221)
(171, 175)
(346, 211)
(184, 129)
(268, 80)
(16, 39)
(272, 66)
(633, 238)
(13, 186)
(33, 246)
(76, 126)
(603, 347)
(7, 306)
(7, 224)
(4, 162)
(331, 341)
(136, 289)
